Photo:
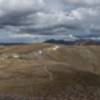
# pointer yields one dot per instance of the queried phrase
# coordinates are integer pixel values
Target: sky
(26, 18)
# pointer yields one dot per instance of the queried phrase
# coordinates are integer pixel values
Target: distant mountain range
(65, 42)
(76, 42)
(69, 39)
(8, 44)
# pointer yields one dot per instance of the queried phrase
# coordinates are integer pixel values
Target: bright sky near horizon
(49, 17)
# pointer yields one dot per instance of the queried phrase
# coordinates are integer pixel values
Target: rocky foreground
(49, 72)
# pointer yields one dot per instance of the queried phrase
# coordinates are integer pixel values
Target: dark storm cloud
(49, 16)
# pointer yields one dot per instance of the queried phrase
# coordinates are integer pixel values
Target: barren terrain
(49, 72)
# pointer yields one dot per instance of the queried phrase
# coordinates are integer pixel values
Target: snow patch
(15, 56)
(7, 56)
(55, 47)
(40, 52)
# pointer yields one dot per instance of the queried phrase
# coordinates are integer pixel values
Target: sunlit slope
(80, 57)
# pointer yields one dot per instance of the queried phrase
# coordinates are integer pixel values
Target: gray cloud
(50, 16)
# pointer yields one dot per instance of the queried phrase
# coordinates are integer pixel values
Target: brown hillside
(50, 72)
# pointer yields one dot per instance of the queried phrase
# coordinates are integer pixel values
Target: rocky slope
(49, 72)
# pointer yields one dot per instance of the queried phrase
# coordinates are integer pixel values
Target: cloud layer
(49, 16)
